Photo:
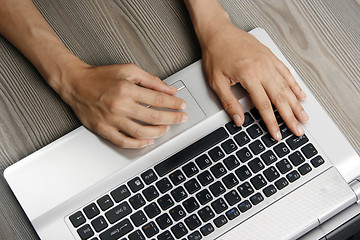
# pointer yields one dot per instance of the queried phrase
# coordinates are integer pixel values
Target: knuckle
(281, 97)
(265, 106)
(228, 104)
(138, 132)
(154, 117)
(158, 100)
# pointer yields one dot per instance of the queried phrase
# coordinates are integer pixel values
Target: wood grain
(321, 39)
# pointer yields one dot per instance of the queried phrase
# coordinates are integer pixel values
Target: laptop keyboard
(202, 187)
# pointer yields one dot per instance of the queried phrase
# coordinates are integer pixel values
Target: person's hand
(232, 56)
(107, 100)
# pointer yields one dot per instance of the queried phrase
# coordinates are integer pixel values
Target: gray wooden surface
(320, 38)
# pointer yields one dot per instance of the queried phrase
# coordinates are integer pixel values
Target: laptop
(205, 179)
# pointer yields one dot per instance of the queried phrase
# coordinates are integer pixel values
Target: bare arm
(106, 98)
(231, 56)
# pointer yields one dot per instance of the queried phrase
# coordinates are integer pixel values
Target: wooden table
(321, 39)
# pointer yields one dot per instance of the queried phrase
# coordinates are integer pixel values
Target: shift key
(117, 231)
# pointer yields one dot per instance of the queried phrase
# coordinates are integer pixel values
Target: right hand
(107, 100)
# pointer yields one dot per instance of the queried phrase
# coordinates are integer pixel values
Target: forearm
(23, 25)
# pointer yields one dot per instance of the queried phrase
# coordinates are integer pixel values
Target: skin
(106, 98)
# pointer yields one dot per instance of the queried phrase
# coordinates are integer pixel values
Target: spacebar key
(191, 151)
(117, 231)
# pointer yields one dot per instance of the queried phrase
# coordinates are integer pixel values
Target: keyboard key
(244, 206)
(190, 169)
(177, 177)
(207, 229)
(150, 193)
(205, 178)
(137, 201)
(217, 189)
(149, 176)
(138, 218)
(203, 161)
(248, 119)
(284, 166)
(192, 186)
(245, 190)
(99, 224)
(304, 169)
(216, 154)
(164, 221)
(293, 176)
(137, 235)
(179, 193)
(191, 151)
(256, 165)
(230, 180)
(85, 232)
(281, 183)
(263, 126)
(219, 205)
(268, 140)
(242, 139)
(105, 202)
(258, 181)
(135, 184)
(309, 150)
(243, 172)
(232, 128)
(120, 193)
(232, 213)
(218, 170)
(256, 147)
(254, 131)
(220, 221)
(255, 113)
(165, 236)
(77, 219)
(278, 117)
(244, 154)
(177, 213)
(117, 231)
(206, 214)
(268, 157)
(229, 146)
(294, 141)
(285, 131)
(269, 190)
(192, 222)
(271, 174)
(204, 196)
(179, 230)
(150, 229)
(91, 210)
(152, 210)
(256, 198)
(163, 185)
(195, 236)
(232, 197)
(296, 158)
(118, 212)
(231, 162)
(191, 205)
(281, 150)
(317, 161)
(165, 202)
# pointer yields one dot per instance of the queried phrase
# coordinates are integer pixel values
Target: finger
(140, 131)
(159, 100)
(229, 102)
(121, 140)
(262, 103)
(286, 74)
(148, 80)
(157, 117)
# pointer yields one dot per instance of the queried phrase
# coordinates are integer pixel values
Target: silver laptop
(205, 179)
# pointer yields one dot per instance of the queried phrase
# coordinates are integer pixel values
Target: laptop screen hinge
(355, 186)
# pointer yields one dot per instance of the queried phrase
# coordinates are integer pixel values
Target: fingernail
(183, 106)
(151, 142)
(278, 136)
(237, 120)
(304, 116)
(300, 130)
(184, 118)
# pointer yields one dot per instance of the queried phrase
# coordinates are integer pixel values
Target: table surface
(321, 39)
